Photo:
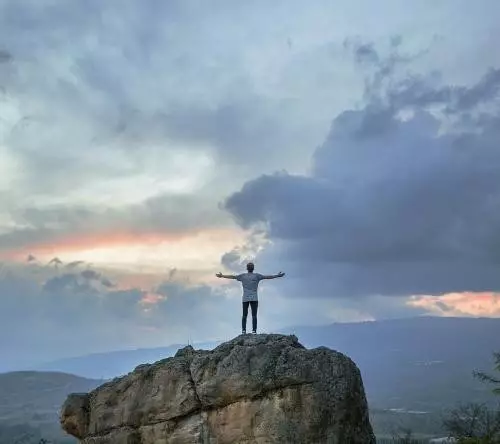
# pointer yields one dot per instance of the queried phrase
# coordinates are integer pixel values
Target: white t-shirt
(250, 282)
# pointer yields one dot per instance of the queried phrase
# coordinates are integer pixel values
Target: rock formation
(252, 389)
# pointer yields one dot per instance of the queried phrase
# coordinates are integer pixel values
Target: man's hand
(280, 274)
(219, 274)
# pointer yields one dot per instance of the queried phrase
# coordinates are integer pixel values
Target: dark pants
(253, 305)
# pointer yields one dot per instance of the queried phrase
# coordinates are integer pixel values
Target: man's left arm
(273, 276)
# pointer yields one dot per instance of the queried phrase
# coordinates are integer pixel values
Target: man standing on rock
(250, 282)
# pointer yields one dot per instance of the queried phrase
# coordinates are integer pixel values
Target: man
(250, 282)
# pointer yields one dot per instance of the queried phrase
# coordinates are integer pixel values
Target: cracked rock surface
(252, 389)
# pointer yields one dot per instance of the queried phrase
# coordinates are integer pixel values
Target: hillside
(422, 363)
(115, 363)
(30, 402)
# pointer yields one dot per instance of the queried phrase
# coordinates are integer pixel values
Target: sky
(147, 145)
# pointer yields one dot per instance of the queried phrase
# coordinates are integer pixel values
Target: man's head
(250, 267)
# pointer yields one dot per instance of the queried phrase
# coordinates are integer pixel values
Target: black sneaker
(254, 332)
(243, 332)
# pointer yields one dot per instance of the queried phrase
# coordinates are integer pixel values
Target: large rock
(253, 389)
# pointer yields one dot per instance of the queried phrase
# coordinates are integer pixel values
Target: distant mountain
(21, 433)
(418, 364)
(30, 403)
(415, 363)
(116, 363)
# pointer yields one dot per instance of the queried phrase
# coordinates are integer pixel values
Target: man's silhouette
(250, 282)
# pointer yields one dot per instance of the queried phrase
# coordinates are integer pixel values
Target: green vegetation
(475, 423)
(468, 423)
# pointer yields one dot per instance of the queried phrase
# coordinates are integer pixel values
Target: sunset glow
(146, 252)
(459, 304)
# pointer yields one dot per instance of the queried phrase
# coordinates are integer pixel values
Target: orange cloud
(142, 281)
(130, 247)
(460, 304)
(151, 298)
(86, 241)
(136, 260)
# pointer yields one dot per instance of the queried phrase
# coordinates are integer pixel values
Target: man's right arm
(226, 276)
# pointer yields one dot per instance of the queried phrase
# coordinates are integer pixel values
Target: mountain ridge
(305, 332)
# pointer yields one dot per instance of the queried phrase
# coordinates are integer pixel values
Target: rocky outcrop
(252, 389)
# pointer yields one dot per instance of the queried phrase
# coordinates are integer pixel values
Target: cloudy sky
(146, 145)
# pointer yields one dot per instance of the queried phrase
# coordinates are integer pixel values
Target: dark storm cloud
(420, 92)
(383, 87)
(381, 66)
(394, 205)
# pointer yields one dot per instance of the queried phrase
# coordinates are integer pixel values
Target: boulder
(253, 389)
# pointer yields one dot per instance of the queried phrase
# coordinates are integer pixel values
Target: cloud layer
(404, 195)
(124, 124)
(47, 313)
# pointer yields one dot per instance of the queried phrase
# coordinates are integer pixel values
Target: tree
(470, 422)
(403, 435)
(484, 377)
(474, 423)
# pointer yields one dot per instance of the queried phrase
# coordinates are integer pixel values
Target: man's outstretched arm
(274, 276)
(226, 276)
